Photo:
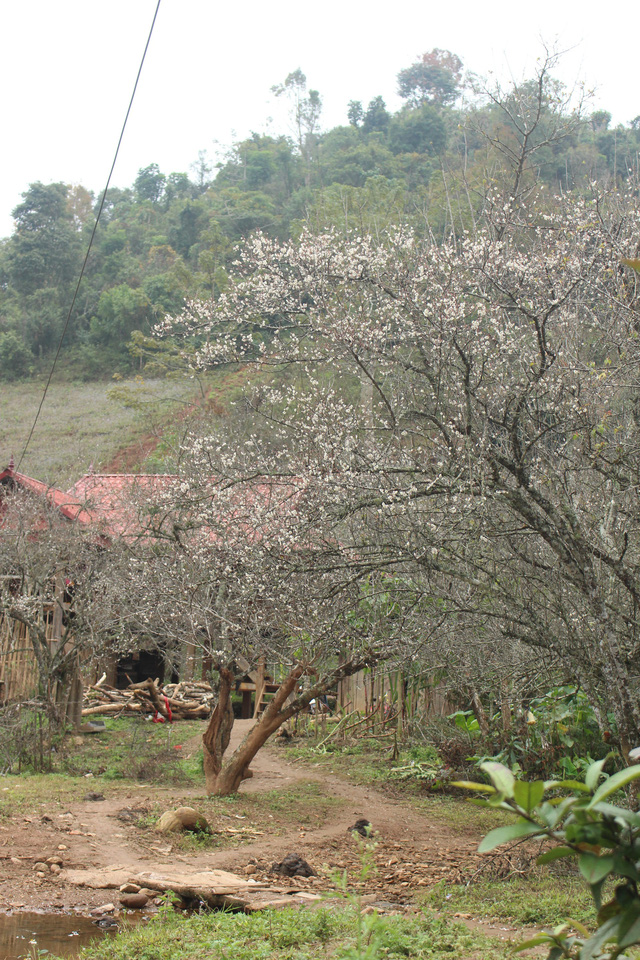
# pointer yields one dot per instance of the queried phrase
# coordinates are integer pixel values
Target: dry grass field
(84, 423)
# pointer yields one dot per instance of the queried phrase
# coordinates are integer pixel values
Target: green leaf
(615, 783)
(566, 785)
(556, 854)
(606, 932)
(619, 813)
(593, 868)
(506, 834)
(528, 795)
(629, 926)
(501, 777)
(608, 910)
(534, 942)
(470, 785)
(593, 774)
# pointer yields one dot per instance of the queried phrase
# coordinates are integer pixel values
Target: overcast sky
(67, 68)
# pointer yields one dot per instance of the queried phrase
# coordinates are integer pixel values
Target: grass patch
(292, 934)
(362, 763)
(132, 748)
(78, 425)
(543, 899)
(243, 818)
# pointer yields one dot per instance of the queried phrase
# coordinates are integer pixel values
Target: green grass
(361, 762)
(132, 748)
(292, 934)
(541, 900)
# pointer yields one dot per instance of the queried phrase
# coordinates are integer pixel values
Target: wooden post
(259, 685)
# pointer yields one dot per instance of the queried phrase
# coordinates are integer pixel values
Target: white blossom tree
(65, 589)
(467, 419)
(227, 571)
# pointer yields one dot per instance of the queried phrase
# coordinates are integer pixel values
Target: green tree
(150, 183)
(121, 310)
(15, 356)
(421, 130)
(377, 117)
(355, 113)
(433, 79)
(44, 251)
(306, 109)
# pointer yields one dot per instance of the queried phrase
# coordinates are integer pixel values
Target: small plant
(603, 837)
(368, 928)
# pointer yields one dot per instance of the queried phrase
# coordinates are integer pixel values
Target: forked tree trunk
(224, 779)
(215, 739)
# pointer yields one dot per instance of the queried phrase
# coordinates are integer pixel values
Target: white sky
(67, 68)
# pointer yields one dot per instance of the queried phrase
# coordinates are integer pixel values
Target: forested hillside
(172, 235)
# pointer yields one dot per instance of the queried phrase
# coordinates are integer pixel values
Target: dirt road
(104, 835)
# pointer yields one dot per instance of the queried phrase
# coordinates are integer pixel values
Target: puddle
(25, 934)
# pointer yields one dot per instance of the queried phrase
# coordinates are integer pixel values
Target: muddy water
(24, 934)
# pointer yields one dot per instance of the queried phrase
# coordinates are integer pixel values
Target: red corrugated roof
(68, 504)
(112, 502)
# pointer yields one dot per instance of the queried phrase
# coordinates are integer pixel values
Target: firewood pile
(186, 700)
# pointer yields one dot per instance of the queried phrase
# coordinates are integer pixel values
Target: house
(117, 507)
(105, 503)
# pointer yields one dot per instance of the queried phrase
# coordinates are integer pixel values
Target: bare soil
(412, 852)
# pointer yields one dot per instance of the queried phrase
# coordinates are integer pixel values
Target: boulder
(134, 901)
(104, 908)
(169, 822)
(184, 818)
(293, 866)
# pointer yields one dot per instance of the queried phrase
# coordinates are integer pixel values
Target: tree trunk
(215, 739)
(223, 780)
(479, 711)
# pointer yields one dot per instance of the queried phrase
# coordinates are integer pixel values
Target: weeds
(293, 934)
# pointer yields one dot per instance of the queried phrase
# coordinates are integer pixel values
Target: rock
(134, 901)
(293, 866)
(363, 827)
(169, 822)
(129, 888)
(62, 846)
(105, 908)
(55, 859)
(40, 866)
(55, 868)
(192, 820)
(184, 818)
(149, 894)
(250, 869)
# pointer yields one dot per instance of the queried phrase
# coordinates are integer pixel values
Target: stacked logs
(176, 701)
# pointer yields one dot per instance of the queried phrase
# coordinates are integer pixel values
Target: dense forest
(172, 236)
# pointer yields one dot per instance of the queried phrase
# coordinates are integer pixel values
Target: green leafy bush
(581, 822)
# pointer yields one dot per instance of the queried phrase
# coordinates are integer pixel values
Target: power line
(91, 239)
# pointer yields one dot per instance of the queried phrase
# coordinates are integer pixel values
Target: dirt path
(412, 851)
